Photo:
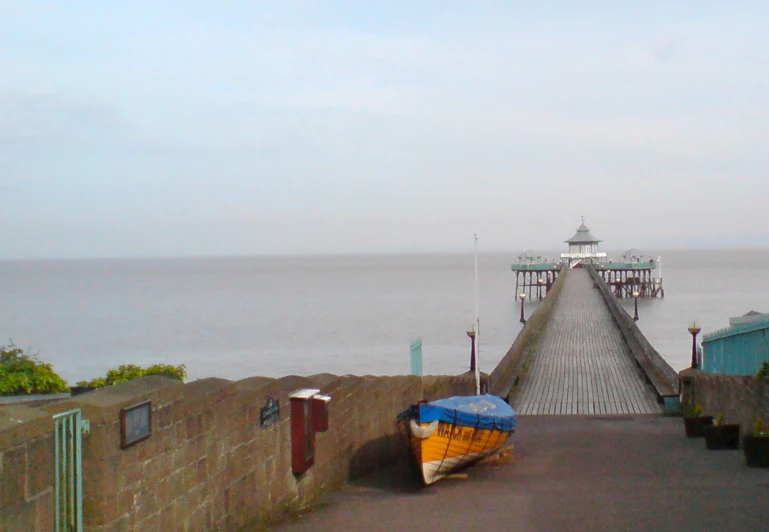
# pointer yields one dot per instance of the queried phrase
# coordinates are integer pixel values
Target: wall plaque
(135, 424)
(269, 413)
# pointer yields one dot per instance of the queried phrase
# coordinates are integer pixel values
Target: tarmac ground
(566, 473)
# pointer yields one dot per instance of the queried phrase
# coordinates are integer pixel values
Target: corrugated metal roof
(583, 236)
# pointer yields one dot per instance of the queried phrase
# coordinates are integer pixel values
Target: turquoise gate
(68, 430)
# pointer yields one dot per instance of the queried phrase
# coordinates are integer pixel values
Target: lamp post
(471, 335)
(522, 297)
(635, 297)
(540, 283)
(694, 330)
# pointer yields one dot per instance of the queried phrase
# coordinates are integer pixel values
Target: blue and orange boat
(449, 434)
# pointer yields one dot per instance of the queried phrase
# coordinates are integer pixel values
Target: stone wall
(441, 386)
(741, 399)
(208, 464)
(510, 371)
(26, 470)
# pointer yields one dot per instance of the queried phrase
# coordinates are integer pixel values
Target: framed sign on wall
(269, 414)
(135, 424)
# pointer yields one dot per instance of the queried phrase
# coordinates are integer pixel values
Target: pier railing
(511, 370)
(536, 267)
(659, 373)
(649, 265)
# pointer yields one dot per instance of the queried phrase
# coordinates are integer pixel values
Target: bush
(128, 372)
(763, 371)
(24, 374)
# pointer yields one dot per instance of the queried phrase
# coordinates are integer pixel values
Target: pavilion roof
(583, 236)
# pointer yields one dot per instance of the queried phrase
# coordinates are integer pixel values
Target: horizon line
(513, 254)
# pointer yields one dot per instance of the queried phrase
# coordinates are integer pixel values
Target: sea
(236, 317)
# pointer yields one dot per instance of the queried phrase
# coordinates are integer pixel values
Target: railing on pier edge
(511, 370)
(662, 377)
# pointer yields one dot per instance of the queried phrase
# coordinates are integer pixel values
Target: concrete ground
(613, 473)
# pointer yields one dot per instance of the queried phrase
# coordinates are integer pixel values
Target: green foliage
(759, 428)
(697, 410)
(128, 372)
(24, 374)
(719, 419)
(763, 371)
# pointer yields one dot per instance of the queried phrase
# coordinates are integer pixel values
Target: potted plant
(694, 423)
(720, 435)
(756, 445)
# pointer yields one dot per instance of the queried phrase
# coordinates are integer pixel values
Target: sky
(195, 128)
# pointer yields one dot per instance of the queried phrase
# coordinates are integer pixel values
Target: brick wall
(208, 464)
(741, 399)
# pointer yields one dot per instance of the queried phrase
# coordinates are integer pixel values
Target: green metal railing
(626, 266)
(536, 267)
(68, 429)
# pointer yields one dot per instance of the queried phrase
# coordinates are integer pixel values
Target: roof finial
(583, 220)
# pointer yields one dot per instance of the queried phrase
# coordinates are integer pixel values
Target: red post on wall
(309, 414)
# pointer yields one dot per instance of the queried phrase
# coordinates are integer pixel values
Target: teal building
(739, 349)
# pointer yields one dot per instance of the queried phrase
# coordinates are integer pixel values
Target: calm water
(237, 317)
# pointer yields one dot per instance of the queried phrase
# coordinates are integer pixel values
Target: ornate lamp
(694, 330)
(635, 298)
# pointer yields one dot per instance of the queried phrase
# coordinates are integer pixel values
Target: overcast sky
(252, 127)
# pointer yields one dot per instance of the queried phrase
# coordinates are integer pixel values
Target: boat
(447, 435)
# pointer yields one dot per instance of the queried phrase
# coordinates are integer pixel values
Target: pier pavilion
(583, 248)
(630, 276)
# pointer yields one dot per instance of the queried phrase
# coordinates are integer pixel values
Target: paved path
(568, 473)
(582, 364)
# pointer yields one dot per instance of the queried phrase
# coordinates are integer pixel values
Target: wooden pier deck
(582, 364)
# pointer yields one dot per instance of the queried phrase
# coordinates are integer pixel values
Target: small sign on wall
(269, 414)
(135, 424)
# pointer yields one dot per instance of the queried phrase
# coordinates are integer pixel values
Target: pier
(583, 364)
(580, 352)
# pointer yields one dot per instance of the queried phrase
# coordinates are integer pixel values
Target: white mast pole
(477, 325)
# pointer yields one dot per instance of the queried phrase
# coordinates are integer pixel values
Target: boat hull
(441, 448)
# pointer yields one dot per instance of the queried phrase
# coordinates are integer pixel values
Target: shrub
(23, 374)
(759, 428)
(763, 371)
(128, 372)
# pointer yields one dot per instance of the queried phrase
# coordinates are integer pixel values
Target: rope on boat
(423, 432)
